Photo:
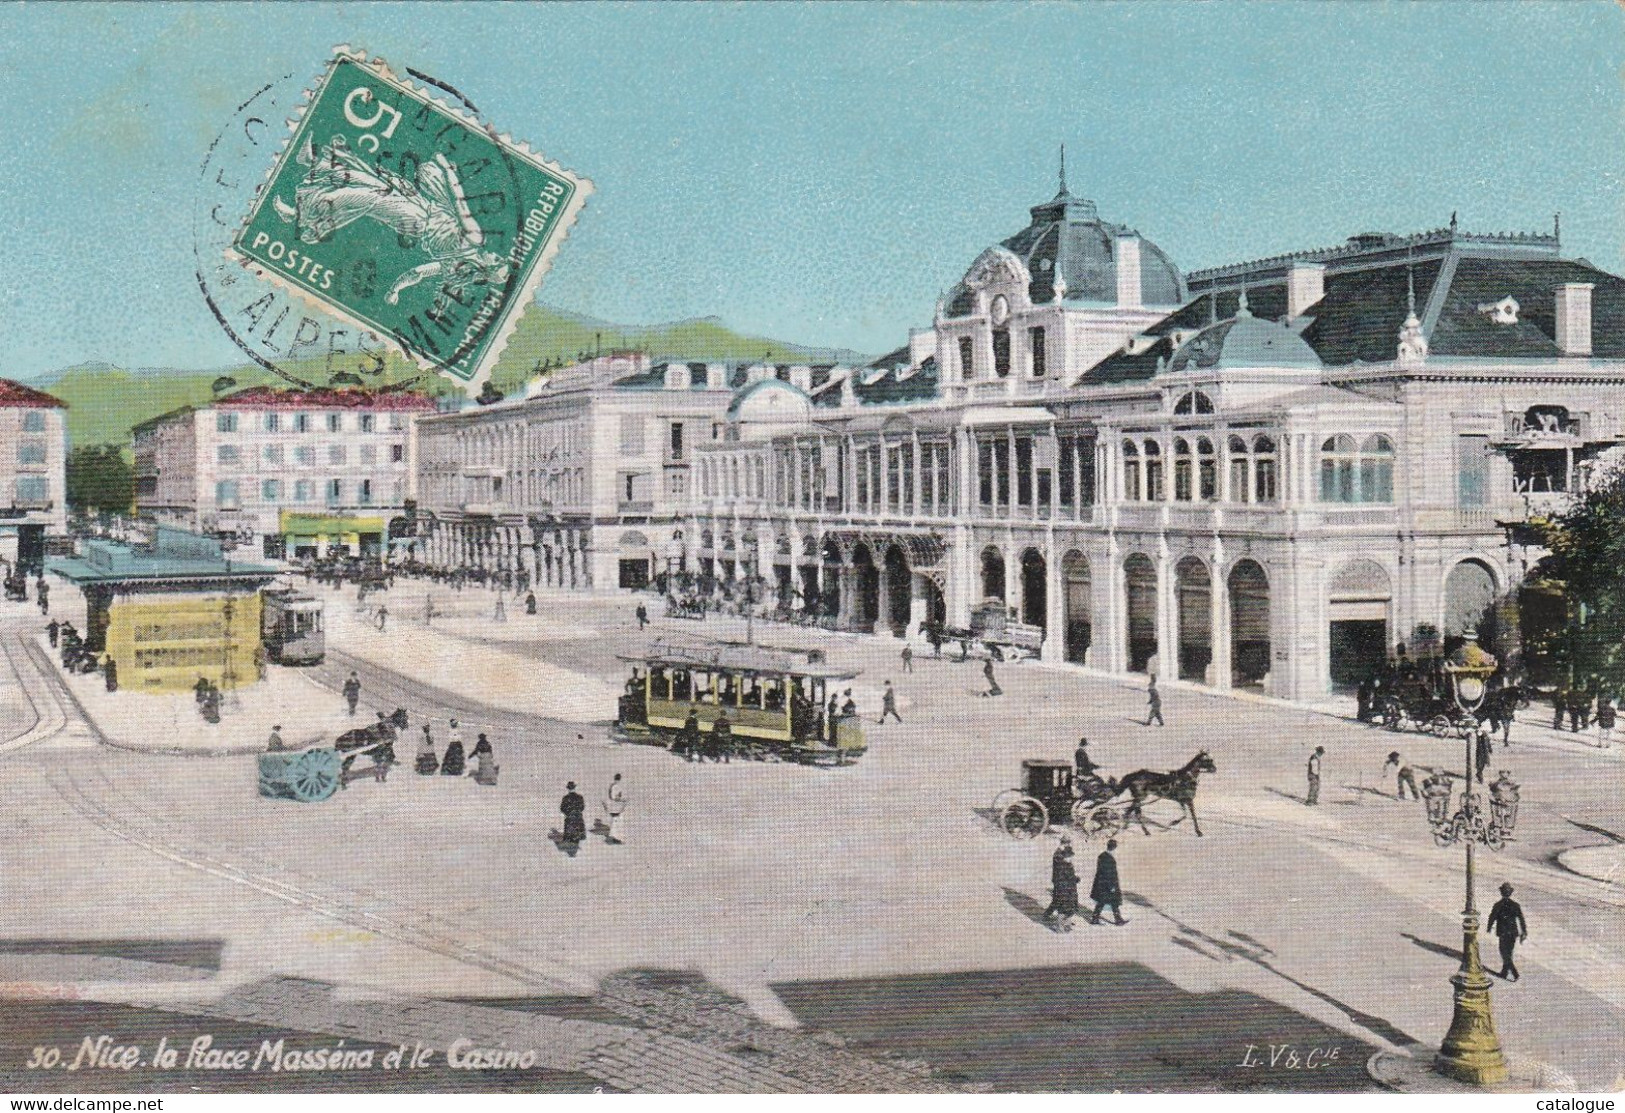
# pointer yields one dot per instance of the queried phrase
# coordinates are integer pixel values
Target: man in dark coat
(993, 688)
(574, 809)
(51, 630)
(1153, 702)
(1362, 700)
(722, 738)
(1482, 754)
(1506, 921)
(1063, 903)
(352, 692)
(1106, 891)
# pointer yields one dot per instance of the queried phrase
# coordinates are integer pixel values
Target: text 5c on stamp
(403, 214)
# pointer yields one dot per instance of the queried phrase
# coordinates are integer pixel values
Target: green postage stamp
(402, 213)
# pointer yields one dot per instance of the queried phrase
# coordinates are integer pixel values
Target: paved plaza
(772, 926)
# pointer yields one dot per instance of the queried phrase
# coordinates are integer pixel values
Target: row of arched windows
(1252, 470)
(1352, 471)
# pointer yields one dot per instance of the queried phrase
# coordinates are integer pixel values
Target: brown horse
(1179, 785)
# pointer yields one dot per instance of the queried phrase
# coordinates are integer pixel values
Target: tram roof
(737, 659)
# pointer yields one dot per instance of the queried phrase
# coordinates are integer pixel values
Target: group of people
(454, 763)
(1583, 708)
(573, 807)
(1106, 890)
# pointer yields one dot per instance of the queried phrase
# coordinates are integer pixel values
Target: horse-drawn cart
(315, 773)
(1051, 794)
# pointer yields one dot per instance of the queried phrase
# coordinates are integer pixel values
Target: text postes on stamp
(407, 217)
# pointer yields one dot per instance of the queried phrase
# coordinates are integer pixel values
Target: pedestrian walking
(935, 634)
(615, 805)
(500, 614)
(110, 672)
(1482, 754)
(1404, 775)
(688, 738)
(1153, 702)
(1362, 701)
(1313, 771)
(43, 594)
(383, 616)
(452, 764)
(722, 738)
(1606, 716)
(643, 616)
(888, 704)
(1560, 703)
(993, 688)
(908, 659)
(1507, 922)
(1063, 887)
(427, 763)
(485, 762)
(530, 602)
(574, 809)
(1107, 890)
(352, 691)
(52, 629)
(274, 743)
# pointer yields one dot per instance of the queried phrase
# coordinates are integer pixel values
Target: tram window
(728, 690)
(703, 691)
(773, 695)
(659, 683)
(752, 695)
(682, 685)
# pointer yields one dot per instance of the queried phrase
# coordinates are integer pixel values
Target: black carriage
(1419, 703)
(1051, 793)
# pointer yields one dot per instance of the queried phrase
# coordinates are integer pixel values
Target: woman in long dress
(428, 764)
(574, 809)
(452, 764)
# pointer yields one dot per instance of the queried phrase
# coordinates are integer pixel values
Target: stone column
(1054, 605)
(1222, 668)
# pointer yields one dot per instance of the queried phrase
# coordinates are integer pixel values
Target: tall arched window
(1240, 489)
(1338, 459)
(1264, 487)
(1131, 472)
(1377, 469)
(1356, 472)
(1182, 470)
(1207, 475)
(1153, 471)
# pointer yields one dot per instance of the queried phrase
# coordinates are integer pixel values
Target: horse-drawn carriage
(1051, 794)
(689, 606)
(993, 624)
(1419, 703)
(315, 773)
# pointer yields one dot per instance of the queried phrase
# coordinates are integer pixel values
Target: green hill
(104, 401)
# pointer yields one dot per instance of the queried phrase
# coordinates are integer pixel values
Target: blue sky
(820, 173)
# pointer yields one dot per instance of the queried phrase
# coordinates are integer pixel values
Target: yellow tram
(777, 707)
(291, 627)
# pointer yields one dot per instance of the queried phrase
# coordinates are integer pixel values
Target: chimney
(922, 345)
(716, 376)
(1574, 318)
(1305, 285)
(1126, 252)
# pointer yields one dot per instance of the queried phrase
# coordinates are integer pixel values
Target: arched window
(1338, 458)
(1352, 472)
(1240, 489)
(1153, 471)
(1377, 469)
(1182, 470)
(1194, 402)
(1264, 488)
(1131, 472)
(1207, 474)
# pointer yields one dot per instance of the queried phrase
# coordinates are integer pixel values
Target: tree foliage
(100, 477)
(1587, 565)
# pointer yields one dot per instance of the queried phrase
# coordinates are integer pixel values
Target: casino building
(1263, 475)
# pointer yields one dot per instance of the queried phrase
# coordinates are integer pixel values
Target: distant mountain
(105, 400)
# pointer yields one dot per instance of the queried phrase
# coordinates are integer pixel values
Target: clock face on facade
(1000, 309)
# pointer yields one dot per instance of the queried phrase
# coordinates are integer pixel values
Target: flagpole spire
(1063, 169)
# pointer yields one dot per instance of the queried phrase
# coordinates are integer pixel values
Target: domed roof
(1067, 236)
(1244, 341)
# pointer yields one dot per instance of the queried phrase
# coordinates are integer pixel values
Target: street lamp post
(1471, 1051)
(750, 599)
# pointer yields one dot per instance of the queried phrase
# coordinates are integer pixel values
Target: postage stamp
(396, 211)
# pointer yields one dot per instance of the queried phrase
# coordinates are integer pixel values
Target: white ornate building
(33, 474)
(1266, 474)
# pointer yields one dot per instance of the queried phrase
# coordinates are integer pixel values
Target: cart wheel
(1004, 799)
(1091, 819)
(315, 775)
(1440, 726)
(1025, 819)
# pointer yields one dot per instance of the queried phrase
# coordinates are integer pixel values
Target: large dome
(1067, 236)
(1244, 341)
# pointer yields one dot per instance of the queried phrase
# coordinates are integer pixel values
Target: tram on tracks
(291, 627)
(776, 705)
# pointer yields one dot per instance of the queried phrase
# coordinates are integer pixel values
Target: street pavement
(823, 906)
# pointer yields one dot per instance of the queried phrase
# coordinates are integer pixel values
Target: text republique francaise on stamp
(403, 215)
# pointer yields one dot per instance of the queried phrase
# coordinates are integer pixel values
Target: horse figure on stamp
(1179, 786)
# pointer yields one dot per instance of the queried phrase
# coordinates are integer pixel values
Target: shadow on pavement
(1452, 953)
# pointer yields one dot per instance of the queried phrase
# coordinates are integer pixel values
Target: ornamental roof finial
(1063, 171)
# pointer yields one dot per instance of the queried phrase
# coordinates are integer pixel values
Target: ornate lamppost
(1471, 1051)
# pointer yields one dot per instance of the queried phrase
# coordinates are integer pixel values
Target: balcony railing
(635, 506)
